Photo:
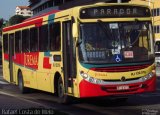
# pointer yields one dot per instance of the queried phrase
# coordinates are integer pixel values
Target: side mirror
(74, 30)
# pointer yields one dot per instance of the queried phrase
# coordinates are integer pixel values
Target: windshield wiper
(132, 30)
(78, 43)
(136, 39)
(107, 31)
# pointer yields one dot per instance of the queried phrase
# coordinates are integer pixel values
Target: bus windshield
(115, 42)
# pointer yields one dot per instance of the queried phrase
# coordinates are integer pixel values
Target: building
(156, 13)
(41, 6)
(155, 5)
(23, 10)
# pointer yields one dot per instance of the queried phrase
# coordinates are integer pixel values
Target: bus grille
(121, 68)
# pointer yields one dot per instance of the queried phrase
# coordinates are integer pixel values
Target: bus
(96, 50)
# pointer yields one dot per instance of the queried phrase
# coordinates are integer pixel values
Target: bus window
(34, 39)
(55, 39)
(5, 43)
(43, 38)
(18, 42)
(25, 41)
(157, 46)
(157, 53)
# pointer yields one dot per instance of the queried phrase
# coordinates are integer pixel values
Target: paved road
(144, 104)
(12, 102)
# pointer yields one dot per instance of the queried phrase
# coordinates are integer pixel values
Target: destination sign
(114, 12)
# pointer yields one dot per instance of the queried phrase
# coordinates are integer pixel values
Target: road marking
(21, 98)
(6, 94)
(2, 82)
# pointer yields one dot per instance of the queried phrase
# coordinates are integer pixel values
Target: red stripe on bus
(29, 60)
(44, 14)
(46, 63)
(6, 56)
(37, 23)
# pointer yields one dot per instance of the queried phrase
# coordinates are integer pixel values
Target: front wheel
(63, 98)
(21, 84)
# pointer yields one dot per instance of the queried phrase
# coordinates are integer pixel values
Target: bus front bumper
(88, 89)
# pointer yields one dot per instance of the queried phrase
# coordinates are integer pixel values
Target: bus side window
(43, 38)
(18, 42)
(33, 39)
(5, 43)
(25, 40)
(55, 39)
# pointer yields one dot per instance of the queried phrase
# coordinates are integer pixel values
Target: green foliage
(16, 19)
(1, 22)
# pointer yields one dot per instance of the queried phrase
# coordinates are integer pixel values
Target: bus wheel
(63, 98)
(21, 84)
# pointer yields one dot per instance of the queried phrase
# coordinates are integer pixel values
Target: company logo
(123, 78)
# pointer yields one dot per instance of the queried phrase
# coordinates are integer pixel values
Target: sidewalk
(1, 72)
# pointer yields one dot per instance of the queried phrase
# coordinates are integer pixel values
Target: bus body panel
(92, 90)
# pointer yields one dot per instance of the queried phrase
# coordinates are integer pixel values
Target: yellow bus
(97, 50)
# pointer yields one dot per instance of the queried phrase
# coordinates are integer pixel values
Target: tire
(63, 98)
(21, 84)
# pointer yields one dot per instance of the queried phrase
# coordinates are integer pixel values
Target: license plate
(123, 87)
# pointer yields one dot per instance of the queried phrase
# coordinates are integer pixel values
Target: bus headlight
(148, 76)
(90, 79)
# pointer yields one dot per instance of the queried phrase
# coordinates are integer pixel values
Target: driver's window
(157, 46)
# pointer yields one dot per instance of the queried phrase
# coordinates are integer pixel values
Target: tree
(17, 19)
(1, 22)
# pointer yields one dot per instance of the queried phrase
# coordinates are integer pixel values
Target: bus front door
(69, 63)
(11, 53)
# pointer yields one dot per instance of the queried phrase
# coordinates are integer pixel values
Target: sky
(7, 7)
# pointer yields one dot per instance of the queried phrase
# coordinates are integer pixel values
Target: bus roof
(38, 20)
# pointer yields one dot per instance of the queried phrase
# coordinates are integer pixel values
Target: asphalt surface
(12, 102)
